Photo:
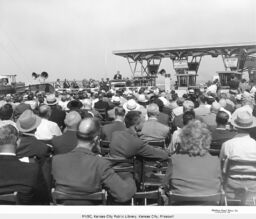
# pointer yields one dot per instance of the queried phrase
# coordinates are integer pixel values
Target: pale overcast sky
(75, 38)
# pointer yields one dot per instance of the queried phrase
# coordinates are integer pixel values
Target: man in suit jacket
(24, 178)
(29, 146)
(68, 140)
(116, 102)
(178, 120)
(152, 129)
(221, 133)
(83, 172)
(165, 114)
(116, 125)
(101, 104)
(126, 144)
(57, 114)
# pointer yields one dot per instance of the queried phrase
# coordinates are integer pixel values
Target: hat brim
(142, 101)
(52, 103)
(233, 123)
(135, 109)
(75, 105)
(37, 123)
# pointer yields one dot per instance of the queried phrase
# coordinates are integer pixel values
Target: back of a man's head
(202, 99)
(223, 102)
(159, 103)
(8, 138)
(6, 112)
(44, 111)
(88, 129)
(132, 118)
(188, 116)
(188, 106)
(222, 118)
(72, 119)
(119, 112)
(180, 101)
(215, 107)
(153, 110)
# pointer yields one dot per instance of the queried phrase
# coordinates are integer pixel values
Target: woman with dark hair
(192, 170)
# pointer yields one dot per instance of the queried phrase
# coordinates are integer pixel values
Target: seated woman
(192, 170)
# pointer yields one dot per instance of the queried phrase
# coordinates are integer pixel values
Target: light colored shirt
(47, 129)
(8, 122)
(175, 140)
(241, 147)
(212, 89)
(32, 103)
(178, 111)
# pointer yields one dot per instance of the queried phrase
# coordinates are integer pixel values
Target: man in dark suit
(152, 129)
(24, 178)
(126, 144)
(221, 133)
(118, 76)
(178, 120)
(102, 107)
(83, 172)
(29, 146)
(68, 140)
(57, 114)
(165, 114)
(116, 125)
(101, 104)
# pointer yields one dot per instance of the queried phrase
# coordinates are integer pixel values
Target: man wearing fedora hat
(116, 102)
(241, 147)
(57, 114)
(29, 145)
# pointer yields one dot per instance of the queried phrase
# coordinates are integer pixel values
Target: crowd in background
(62, 132)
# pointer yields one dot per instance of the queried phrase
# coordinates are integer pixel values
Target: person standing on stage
(118, 76)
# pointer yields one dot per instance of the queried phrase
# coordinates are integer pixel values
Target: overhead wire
(17, 52)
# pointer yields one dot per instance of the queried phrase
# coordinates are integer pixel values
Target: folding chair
(245, 168)
(62, 198)
(122, 164)
(214, 152)
(152, 175)
(249, 197)
(147, 198)
(104, 147)
(160, 144)
(103, 113)
(210, 199)
(9, 199)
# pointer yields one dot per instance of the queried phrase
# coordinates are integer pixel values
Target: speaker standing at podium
(118, 76)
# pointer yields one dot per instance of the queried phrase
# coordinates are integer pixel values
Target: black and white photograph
(126, 109)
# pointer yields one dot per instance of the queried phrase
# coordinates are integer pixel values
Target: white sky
(75, 38)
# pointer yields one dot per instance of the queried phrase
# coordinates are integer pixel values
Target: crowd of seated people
(53, 141)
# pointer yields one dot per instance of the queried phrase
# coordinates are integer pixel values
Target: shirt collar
(152, 118)
(221, 129)
(118, 120)
(7, 154)
(84, 150)
(243, 135)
